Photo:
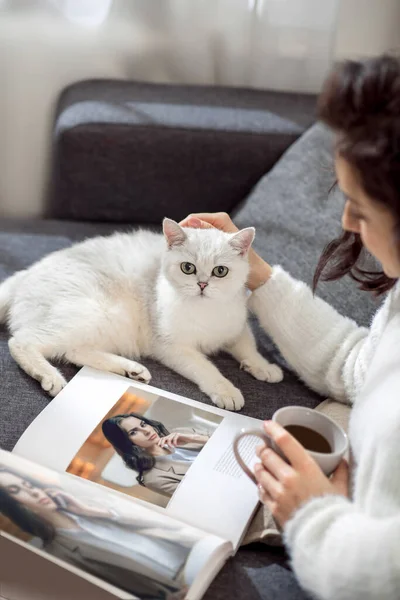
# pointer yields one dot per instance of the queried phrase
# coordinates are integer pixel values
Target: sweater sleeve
(322, 346)
(349, 550)
(340, 551)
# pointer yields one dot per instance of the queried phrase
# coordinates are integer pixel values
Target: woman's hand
(260, 271)
(283, 487)
(219, 220)
(173, 440)
(71, 504)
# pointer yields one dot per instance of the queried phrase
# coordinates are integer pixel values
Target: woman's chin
(391, 271)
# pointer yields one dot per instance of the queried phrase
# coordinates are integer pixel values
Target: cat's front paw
(138, 372)
(225, 395)
(53, 384)
(262, 370)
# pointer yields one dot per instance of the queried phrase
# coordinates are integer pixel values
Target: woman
(132, 553)
(344, 543)
(161, 458)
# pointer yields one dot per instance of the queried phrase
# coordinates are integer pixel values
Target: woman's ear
(242, 240)
(174, 234)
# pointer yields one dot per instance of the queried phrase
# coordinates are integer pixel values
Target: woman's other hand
(174, 440)
(75, 506)
(219, 220)
(260, 271)
(285, 487)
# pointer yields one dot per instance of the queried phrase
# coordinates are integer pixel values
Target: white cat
(109, 301)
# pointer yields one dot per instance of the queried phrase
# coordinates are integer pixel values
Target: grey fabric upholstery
(133, 152)
(295, 216)
(294, 219)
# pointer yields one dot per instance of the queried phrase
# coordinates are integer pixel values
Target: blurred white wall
(367, 28)
(278, 44)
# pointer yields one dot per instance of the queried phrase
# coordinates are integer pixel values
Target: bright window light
(89, 13)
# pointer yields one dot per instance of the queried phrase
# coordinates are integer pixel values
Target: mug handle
(268, 441)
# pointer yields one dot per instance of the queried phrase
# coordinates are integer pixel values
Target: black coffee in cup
(309, 439)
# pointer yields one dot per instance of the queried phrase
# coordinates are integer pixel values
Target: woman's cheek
(369, 240)
(378, 246)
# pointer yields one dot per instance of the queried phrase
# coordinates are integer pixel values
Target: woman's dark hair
(360, 101)
(134, 457)
(20, 515)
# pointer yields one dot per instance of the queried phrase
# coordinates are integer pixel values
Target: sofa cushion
(137, 152)
(295, 217)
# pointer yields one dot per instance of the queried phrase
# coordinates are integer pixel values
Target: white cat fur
(108, 301)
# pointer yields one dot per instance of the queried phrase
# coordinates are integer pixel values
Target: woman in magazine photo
(161, 458)
(139, 555)
(343, 539)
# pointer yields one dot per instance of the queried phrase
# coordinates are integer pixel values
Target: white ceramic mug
(306, 417)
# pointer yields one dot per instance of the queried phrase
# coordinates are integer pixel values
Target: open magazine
(132, 487)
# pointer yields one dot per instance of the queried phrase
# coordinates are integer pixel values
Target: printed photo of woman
(135, 553)
(160, 457)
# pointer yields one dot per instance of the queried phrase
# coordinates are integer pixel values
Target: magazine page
(106, 534)
(171, 452)
(26, 570)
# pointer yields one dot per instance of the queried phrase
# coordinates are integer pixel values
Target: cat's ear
(242, 240)
(174, 234)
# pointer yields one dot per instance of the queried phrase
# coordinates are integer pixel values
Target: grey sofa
(127, 154)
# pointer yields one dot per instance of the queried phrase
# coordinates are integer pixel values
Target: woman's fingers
(219, 220)
(266, 499)
(57, 494)
(196, 223)
(67, 499)
(174, 440)
(263, 494)
(268, 482)
(340, 478)
(171, 440)
(275, 464)
(296, 454)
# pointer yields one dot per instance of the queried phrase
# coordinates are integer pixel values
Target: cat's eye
(188, 268)
(220, 271)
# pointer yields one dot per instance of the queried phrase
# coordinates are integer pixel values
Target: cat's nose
(202, 284)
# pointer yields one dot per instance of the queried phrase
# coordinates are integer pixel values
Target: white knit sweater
(345, 549)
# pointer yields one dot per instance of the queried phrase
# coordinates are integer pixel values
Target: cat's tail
(7, 291)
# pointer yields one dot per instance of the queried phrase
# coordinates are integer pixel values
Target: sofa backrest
(134, 152)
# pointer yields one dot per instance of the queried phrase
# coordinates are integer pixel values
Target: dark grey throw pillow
(295, 217)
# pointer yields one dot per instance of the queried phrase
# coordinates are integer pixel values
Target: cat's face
(206, 263)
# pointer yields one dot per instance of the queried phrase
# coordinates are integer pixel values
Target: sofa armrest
(136, 152)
